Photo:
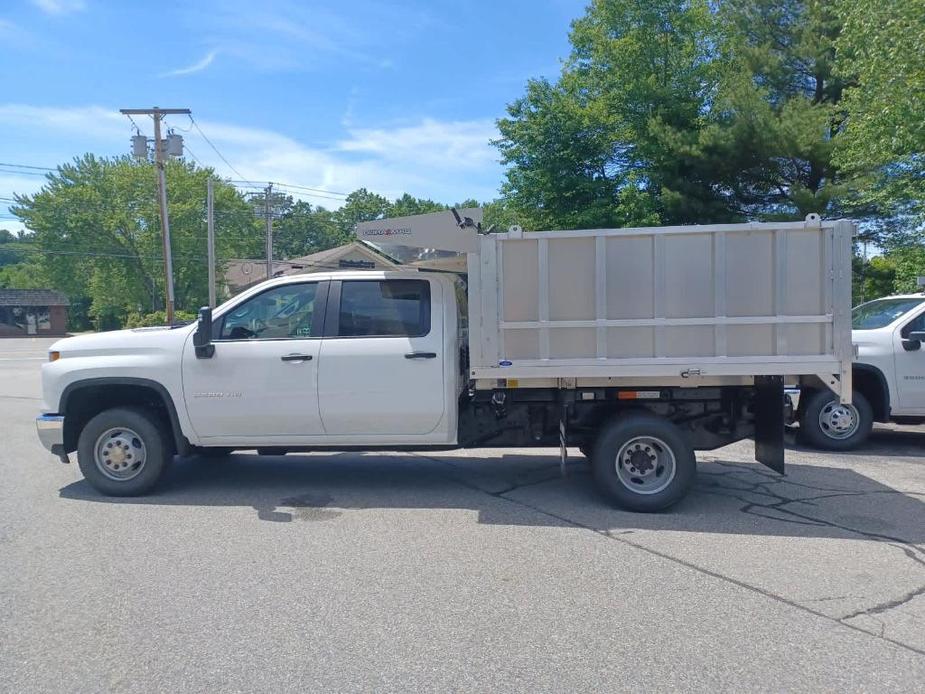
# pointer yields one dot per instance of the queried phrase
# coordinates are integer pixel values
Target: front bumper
(50, 428)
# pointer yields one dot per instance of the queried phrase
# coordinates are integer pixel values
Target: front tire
(826, 424)
(123, 451)
(643, 463)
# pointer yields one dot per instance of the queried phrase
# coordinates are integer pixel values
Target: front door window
(285, 312)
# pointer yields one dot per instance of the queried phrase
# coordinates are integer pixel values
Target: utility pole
(160, 147)
(268, 193)
(267, 205)
(210, 224)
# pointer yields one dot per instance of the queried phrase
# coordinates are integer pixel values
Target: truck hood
(123, 341)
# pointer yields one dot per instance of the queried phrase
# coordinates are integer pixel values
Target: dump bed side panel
(724, 300)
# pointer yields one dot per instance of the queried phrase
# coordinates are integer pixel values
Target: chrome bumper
(50, 428)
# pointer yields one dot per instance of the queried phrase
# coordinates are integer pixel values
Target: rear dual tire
(643, 463)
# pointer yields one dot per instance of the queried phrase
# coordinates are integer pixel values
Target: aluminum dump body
(664, 302)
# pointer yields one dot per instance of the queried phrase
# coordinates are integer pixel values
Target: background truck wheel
(827, 424)
(643, 463)
(123, 451)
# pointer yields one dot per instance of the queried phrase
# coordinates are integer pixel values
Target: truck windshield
(880, 313)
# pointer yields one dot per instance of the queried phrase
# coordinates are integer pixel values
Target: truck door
(910, 368)
(262, 380)
(381, 365)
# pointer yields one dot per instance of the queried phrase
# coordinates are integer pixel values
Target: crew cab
(638, 346)
(888, 374)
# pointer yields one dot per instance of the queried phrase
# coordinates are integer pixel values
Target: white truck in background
(888, 376)
(639, 346)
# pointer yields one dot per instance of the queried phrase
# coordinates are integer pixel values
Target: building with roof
(37, 312)
(241, 274)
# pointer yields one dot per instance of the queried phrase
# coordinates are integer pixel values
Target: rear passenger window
(384, 308)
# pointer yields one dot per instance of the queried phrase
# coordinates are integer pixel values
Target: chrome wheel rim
(645, 465)
(839, 421)
(120, 454)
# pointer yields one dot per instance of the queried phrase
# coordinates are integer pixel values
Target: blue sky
(395, 96)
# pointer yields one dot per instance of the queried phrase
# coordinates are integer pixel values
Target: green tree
(780, 100)
(360, 206)
(303, 229)
(609, 144)
(909, 265)
(408, 205)
(872, 279)
(709, 111)
(883, 47)
(96, 231)
(13, 249)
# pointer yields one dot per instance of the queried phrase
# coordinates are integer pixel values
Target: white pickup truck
(888, 376)
(636, 345)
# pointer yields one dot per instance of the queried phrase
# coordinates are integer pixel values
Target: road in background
(465, 571)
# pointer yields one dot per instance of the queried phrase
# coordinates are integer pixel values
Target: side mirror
(202, 338)
(913, 342)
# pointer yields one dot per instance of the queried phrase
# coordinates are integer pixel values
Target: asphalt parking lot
(467, 571)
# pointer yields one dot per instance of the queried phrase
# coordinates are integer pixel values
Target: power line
(195, 158)
(214, 148)
(23, 173)
(257, 188)
(177, 127)
(133, 256)
(235, 183)
(321, 192)
(317, 190)
(28, 166)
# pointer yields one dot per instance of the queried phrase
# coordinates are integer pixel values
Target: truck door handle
(297, 357)
(421, 355)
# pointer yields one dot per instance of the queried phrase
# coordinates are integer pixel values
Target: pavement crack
(551, 473)
(778, 508)
(624, 538)
(889, 605)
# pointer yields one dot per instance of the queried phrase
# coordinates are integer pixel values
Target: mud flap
(769, 421)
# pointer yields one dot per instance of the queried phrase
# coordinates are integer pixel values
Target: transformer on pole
(162, 149)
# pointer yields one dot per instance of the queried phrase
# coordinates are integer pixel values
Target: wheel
(826, 423)
(123, 451)
(271, 450)
(643, 462)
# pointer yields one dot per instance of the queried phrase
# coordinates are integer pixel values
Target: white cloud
(444, 160)
(60, 7)
(293, 35)
(89, 121)
(429, 143)
(198, 66)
